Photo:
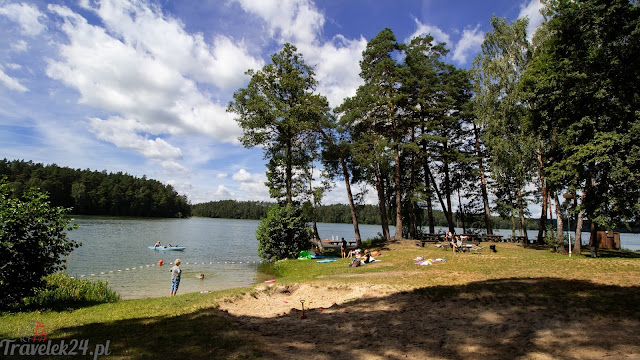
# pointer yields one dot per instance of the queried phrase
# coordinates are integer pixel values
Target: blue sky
(142, 86)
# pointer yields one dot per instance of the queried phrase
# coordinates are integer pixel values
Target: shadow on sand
(516, 318)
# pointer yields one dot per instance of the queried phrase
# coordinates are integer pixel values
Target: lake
(225, 250)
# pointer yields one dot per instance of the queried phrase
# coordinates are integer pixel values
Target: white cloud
(299, 22)
(337, 67)
(439, 36)
(532, 11)
(222, 176)
(11, 83)
(148, 30)
(13, 66)
(19, 46)
(243, 176)
(152, 84)
(469, 44)
(123, 133)
(295, 21)
(26, 15)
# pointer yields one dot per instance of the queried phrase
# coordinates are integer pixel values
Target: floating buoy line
(160, 263)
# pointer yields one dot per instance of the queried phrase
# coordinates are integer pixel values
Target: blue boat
(172, 248)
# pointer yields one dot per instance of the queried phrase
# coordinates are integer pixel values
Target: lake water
(225, 250)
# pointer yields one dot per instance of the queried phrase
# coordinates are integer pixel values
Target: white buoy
(119, 270)
(110, 271)
(127, 269)
(93, 274)
(101, 272)
(81, 276)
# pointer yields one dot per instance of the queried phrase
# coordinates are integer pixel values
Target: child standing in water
(175, 277)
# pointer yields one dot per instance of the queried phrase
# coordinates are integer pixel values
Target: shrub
(283, 233)
(62, 292)
(33, 243)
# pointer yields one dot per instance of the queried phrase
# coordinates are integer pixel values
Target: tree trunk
(354, 218)
(560, 224)
(435, 187)
(462, 216)
(593, 241)
(447, 190)
(432, 225)
(577, 248)
(483, 183)
(543, 212)
(398, 185)
(523, 222)
(427, 185)
(288, 180)
(381, 204)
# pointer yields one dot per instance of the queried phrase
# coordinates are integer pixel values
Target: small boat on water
(173, 248)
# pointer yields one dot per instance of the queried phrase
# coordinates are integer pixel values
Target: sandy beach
(515, 318)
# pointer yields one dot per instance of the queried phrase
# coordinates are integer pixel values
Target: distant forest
(337, 213)
(89, 192)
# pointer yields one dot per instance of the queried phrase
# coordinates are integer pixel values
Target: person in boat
(169, 245)
(157, 244)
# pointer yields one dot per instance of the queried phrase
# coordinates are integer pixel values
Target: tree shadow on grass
(497, 319)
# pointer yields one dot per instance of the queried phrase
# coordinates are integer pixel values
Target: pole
(569, 231)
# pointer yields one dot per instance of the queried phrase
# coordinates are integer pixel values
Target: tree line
(549, 119)
(334, 213)
(89, 192)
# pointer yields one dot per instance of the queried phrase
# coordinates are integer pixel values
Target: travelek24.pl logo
(34, 342)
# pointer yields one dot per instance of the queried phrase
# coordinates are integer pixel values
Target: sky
(142, 86)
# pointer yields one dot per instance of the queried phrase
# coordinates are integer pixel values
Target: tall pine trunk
(523, 222)
(381, 204)
(543, 212)
(577, 248)
(398, 185)
(560, 223)
(352, 208)
(483, 183)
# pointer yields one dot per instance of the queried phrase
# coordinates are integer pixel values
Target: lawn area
(516, 294)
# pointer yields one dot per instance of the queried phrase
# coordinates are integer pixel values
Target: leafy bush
(63, 292)
(283, 233)
(550, 238)
(33, 243)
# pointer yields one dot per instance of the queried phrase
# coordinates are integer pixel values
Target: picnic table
(494, 238)
(350, 243)
(520, 239)
(429, 238)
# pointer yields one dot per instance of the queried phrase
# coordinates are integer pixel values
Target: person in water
(175, 277)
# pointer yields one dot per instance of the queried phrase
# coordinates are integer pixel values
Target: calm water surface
(225, 250)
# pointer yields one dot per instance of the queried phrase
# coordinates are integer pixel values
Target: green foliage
(96, 192)
(584, 84)
(283, 233)
(551, 239)
(62, 292)
(33, 242)
(277, 111)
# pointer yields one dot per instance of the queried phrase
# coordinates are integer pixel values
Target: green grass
(191, 326)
